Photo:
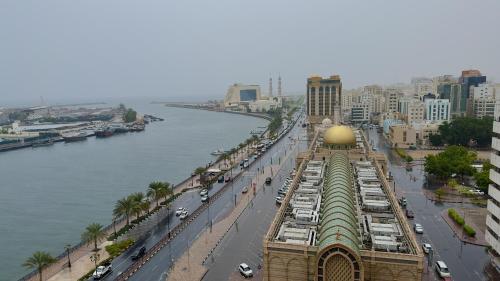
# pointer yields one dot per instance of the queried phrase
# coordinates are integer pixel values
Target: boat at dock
(104, 133)
(42, 143)
(81, 136)
(218, 152)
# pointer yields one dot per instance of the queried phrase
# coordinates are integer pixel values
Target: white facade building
(492, 234)
(360, 112)
(437, 110)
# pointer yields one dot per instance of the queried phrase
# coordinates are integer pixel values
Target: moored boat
(75, 137)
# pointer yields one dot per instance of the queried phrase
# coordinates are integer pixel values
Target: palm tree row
(137, 203)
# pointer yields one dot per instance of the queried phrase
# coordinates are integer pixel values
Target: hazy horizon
(93, 50)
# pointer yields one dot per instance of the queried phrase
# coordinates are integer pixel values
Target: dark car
(220, 179)
(409, 214)
(227, 179)
(268, 180)
(139, 254)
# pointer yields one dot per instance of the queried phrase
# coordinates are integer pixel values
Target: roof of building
(339, 135)
(338, 221)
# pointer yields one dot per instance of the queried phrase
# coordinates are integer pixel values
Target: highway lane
(466, 262)
(160, 263)
(244, 244)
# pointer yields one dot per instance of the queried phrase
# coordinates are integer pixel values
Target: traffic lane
(244, 244)
(466, 262)
(198, 226)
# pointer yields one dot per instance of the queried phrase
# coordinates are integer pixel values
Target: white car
(204, 198)
(477, 192)
(203, 192)
(101, 271)
(426, 247)
(179, 211)
(279, 200)
(442, 269)
(183, 215)
(418, 228)
(245, 270)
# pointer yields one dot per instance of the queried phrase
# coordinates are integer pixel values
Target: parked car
(418, 228)
(477, 192)
(220, 179)
(204, 199)
(245, 189)
(245, 270)
(227, 179)
(102, 271)
(183, 215)
(442, 269)
(139, 254)
(203, 192)
(179, 211)
(409, 214)
(403, 202)
(268, 180)
(279, 200)
(426, 247)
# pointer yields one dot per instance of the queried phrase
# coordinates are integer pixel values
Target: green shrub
(469, 230)
(452, 213)
(118, 248)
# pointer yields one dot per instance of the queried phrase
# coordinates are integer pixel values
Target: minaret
(279, 86)
(270, 87)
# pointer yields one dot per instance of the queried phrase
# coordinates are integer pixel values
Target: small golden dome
(339, 135)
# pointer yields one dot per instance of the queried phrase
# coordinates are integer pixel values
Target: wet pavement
(465, 261)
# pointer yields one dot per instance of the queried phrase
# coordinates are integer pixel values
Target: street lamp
(95, 257)
(67, 247)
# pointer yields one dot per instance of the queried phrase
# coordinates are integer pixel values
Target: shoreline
(61, 258)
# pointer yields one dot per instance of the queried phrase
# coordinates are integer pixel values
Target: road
(465, 261)
(157, 267)
(244, 244)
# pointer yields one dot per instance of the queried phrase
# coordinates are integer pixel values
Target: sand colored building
(340, 220)
(323, 99)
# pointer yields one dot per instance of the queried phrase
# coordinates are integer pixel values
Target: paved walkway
(80, 258)
(471, 216)
(190, 265)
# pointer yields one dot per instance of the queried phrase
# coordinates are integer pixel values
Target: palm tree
(124, 207)
(166, 190)
(94, 232)
(146, 205)
(155, 191)
(39, 261)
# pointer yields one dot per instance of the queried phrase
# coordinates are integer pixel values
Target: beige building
(323, 98)
(342, 220)
(402, 136)
(391, 98)
(424, 130)
(416, 112)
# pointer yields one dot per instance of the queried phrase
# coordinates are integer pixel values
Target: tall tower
(279, 86)
(270, 87)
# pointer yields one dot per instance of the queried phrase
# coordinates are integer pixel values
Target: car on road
(102, 271)
(139, 254)
(477, 192)
(268, 180)
(227, 179)
(179, 211)
(183, 215)
(279, 200)
(409, 214)
(245, 270)
(204, 199)
(418, 228)
(426, 247)
(220, 179)
(245, 189)
(402, 202)
(442, 269)
(203, 192)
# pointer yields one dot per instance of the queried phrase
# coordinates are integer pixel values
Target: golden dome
(342, 135)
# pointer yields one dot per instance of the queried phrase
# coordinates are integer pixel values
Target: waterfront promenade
(80, 258)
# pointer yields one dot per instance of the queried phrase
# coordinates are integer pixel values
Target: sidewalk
(457, 229)
(80, 258)
(190, 265)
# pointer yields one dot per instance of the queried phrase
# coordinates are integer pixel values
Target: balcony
(493, 209)
(495, 176)
(495, 160)
(495, 143)
(496, 127)
(492, 224)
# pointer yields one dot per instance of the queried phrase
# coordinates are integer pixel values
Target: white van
(442, 269)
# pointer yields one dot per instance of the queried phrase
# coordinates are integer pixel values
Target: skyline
(153, 49)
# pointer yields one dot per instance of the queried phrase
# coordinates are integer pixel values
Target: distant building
(391, 97)
(402, 136)
(360, 113)
(437, 110)
(422, 86)
(483, 98)
(452, 91)
(468, 79)
(242, 97)
(424, 130)
(323, 98)
(415, 113)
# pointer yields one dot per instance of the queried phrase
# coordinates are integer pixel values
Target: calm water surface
(49, 194)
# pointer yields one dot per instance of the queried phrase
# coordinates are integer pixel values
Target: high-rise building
(437, 110)
(391, 97)
(360, 113)
(452, 91)
(468, 79)
(324, 98)
(492, 234)
(415, 113)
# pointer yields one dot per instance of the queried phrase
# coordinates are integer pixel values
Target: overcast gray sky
(94, 48)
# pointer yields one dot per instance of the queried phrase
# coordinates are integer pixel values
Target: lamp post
(95, 257)
(67, 247)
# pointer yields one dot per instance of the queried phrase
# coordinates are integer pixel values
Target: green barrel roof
(338, 219)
